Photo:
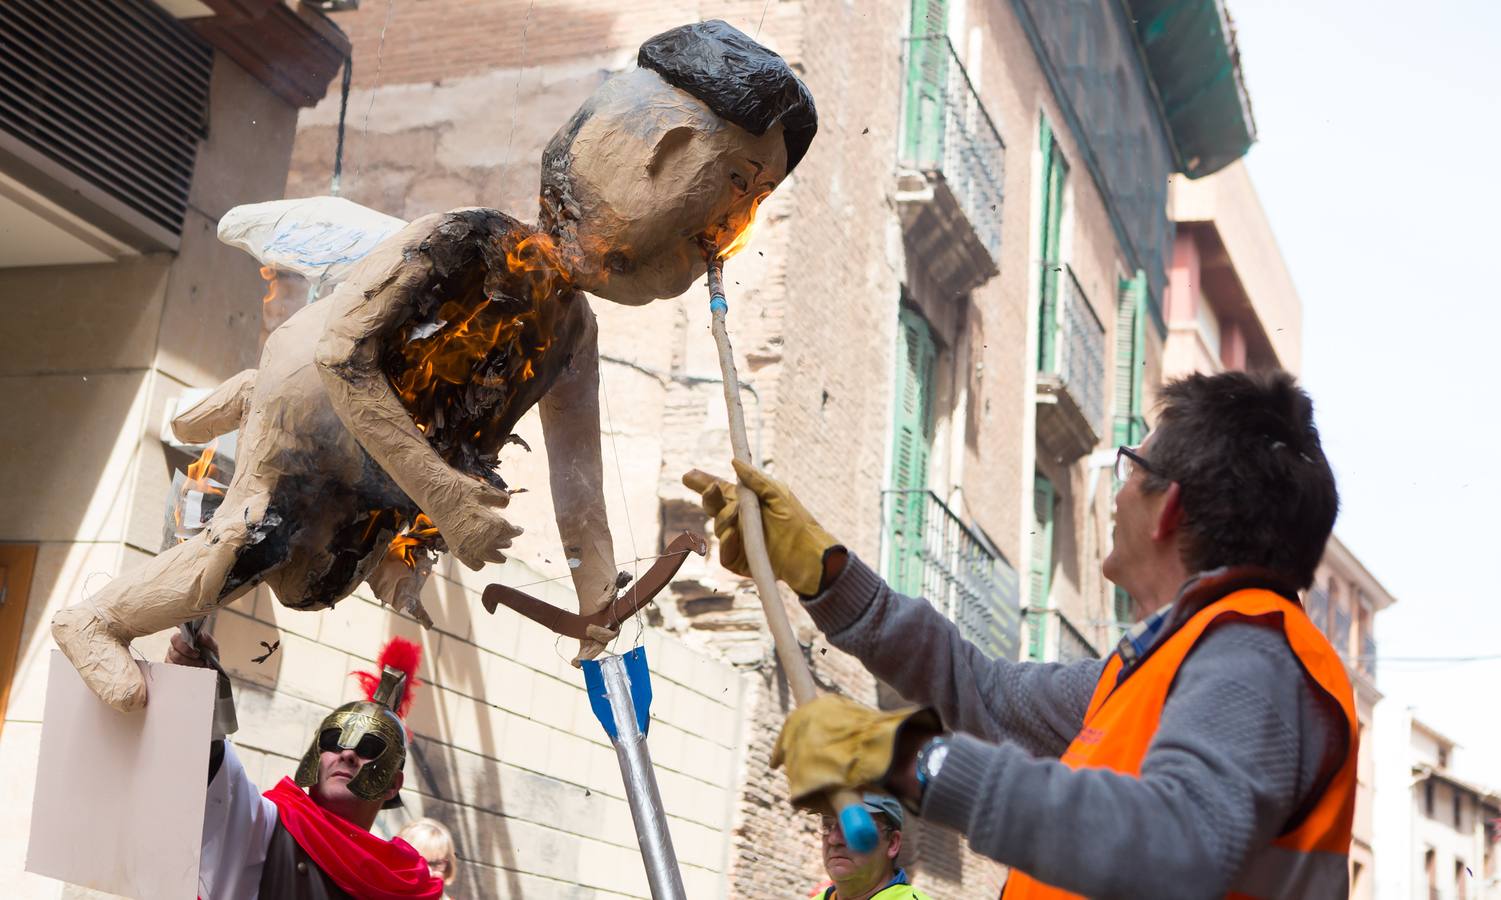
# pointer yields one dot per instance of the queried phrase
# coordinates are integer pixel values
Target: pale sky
(1380, 143)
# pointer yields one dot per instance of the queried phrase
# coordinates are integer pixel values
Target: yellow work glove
(833, 742)
(794, 541)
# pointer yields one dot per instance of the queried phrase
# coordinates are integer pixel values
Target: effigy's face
(650, 172)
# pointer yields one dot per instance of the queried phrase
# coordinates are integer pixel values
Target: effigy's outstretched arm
(367, 307)
(570, 428)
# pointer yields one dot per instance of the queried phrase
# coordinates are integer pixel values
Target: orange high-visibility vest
(1311, 859)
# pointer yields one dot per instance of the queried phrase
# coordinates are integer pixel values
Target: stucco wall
(92, 356)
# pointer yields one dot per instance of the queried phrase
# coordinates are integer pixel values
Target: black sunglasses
(371, 746)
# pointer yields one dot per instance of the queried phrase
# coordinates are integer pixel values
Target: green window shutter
(912, 446)
(1054, 177)
(1130, 353)
(927, 76)
(1041, 574)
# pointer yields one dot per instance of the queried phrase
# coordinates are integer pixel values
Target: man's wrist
(929, 763)
(834, 559)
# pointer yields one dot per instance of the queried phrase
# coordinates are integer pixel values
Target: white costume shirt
(237, 827)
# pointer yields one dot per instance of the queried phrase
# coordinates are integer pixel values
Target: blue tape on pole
(594, 685)
(640, 676)
(717, 304)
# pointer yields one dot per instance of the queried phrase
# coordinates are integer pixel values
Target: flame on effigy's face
(733, 234)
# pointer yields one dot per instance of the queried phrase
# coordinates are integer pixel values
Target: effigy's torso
(491, 327)
(488, 335)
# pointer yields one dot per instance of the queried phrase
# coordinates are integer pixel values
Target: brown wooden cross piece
(574, 625)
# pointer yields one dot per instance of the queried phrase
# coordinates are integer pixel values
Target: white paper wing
(320, 238)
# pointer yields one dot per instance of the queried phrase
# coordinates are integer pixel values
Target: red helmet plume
(402, 655)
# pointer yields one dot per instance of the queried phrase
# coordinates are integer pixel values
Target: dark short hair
(740, 80)
(1256, 488)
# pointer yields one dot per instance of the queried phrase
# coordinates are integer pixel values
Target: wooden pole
(859, 828)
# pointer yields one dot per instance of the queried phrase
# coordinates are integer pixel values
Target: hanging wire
(380, 51)
(625, 501)
(526, 25)
(763, 19)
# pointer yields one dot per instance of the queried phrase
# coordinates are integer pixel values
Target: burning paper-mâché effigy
(369, 434)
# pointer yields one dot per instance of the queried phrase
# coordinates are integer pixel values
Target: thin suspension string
(380, 52)
(625, 503)
(516, 93)
(619, 565)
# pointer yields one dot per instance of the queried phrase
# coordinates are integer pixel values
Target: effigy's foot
(101, 657)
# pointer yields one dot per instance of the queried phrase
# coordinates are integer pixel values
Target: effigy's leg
(221, 563)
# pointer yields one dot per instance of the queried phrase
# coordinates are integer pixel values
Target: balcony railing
(1316, 605)
(1052, 637)
(949, 138)
(1368, 656)
(933, 554)
(1339, 634)
(1071, 366)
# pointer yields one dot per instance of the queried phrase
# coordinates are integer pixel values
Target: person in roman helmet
(308, 838)
(369, 436)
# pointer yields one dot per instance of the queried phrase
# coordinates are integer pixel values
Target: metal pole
(661, 860)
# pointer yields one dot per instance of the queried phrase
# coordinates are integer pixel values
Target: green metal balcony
(952, 169)
(1070, 367)
(1051, 637)
(931, 553)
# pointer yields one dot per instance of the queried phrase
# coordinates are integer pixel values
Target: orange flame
(482, 337)
(199, 475)
(269, 274)
(416, 536)
(729, 239)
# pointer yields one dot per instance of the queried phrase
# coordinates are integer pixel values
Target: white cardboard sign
(119, 796)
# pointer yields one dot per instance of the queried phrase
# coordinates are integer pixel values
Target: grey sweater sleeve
(1242, 741)
(909, 645)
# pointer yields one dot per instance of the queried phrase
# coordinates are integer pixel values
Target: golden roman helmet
(372, 728)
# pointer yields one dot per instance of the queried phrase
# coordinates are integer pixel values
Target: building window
(1430, 869)
(1458, 810)
(912, 445)
(1040, 573)
(1428, 798)
(1461, 879)
(1054, 181)
(1130, 359)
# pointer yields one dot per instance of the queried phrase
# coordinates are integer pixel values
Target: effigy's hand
(795, 541)
(469, 518)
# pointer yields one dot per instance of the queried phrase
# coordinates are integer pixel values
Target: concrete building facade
(1439, 835)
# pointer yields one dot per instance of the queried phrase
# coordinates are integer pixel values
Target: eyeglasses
(371, 746)
(1126, 459)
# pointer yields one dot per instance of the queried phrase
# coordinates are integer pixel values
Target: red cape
(360, 863)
